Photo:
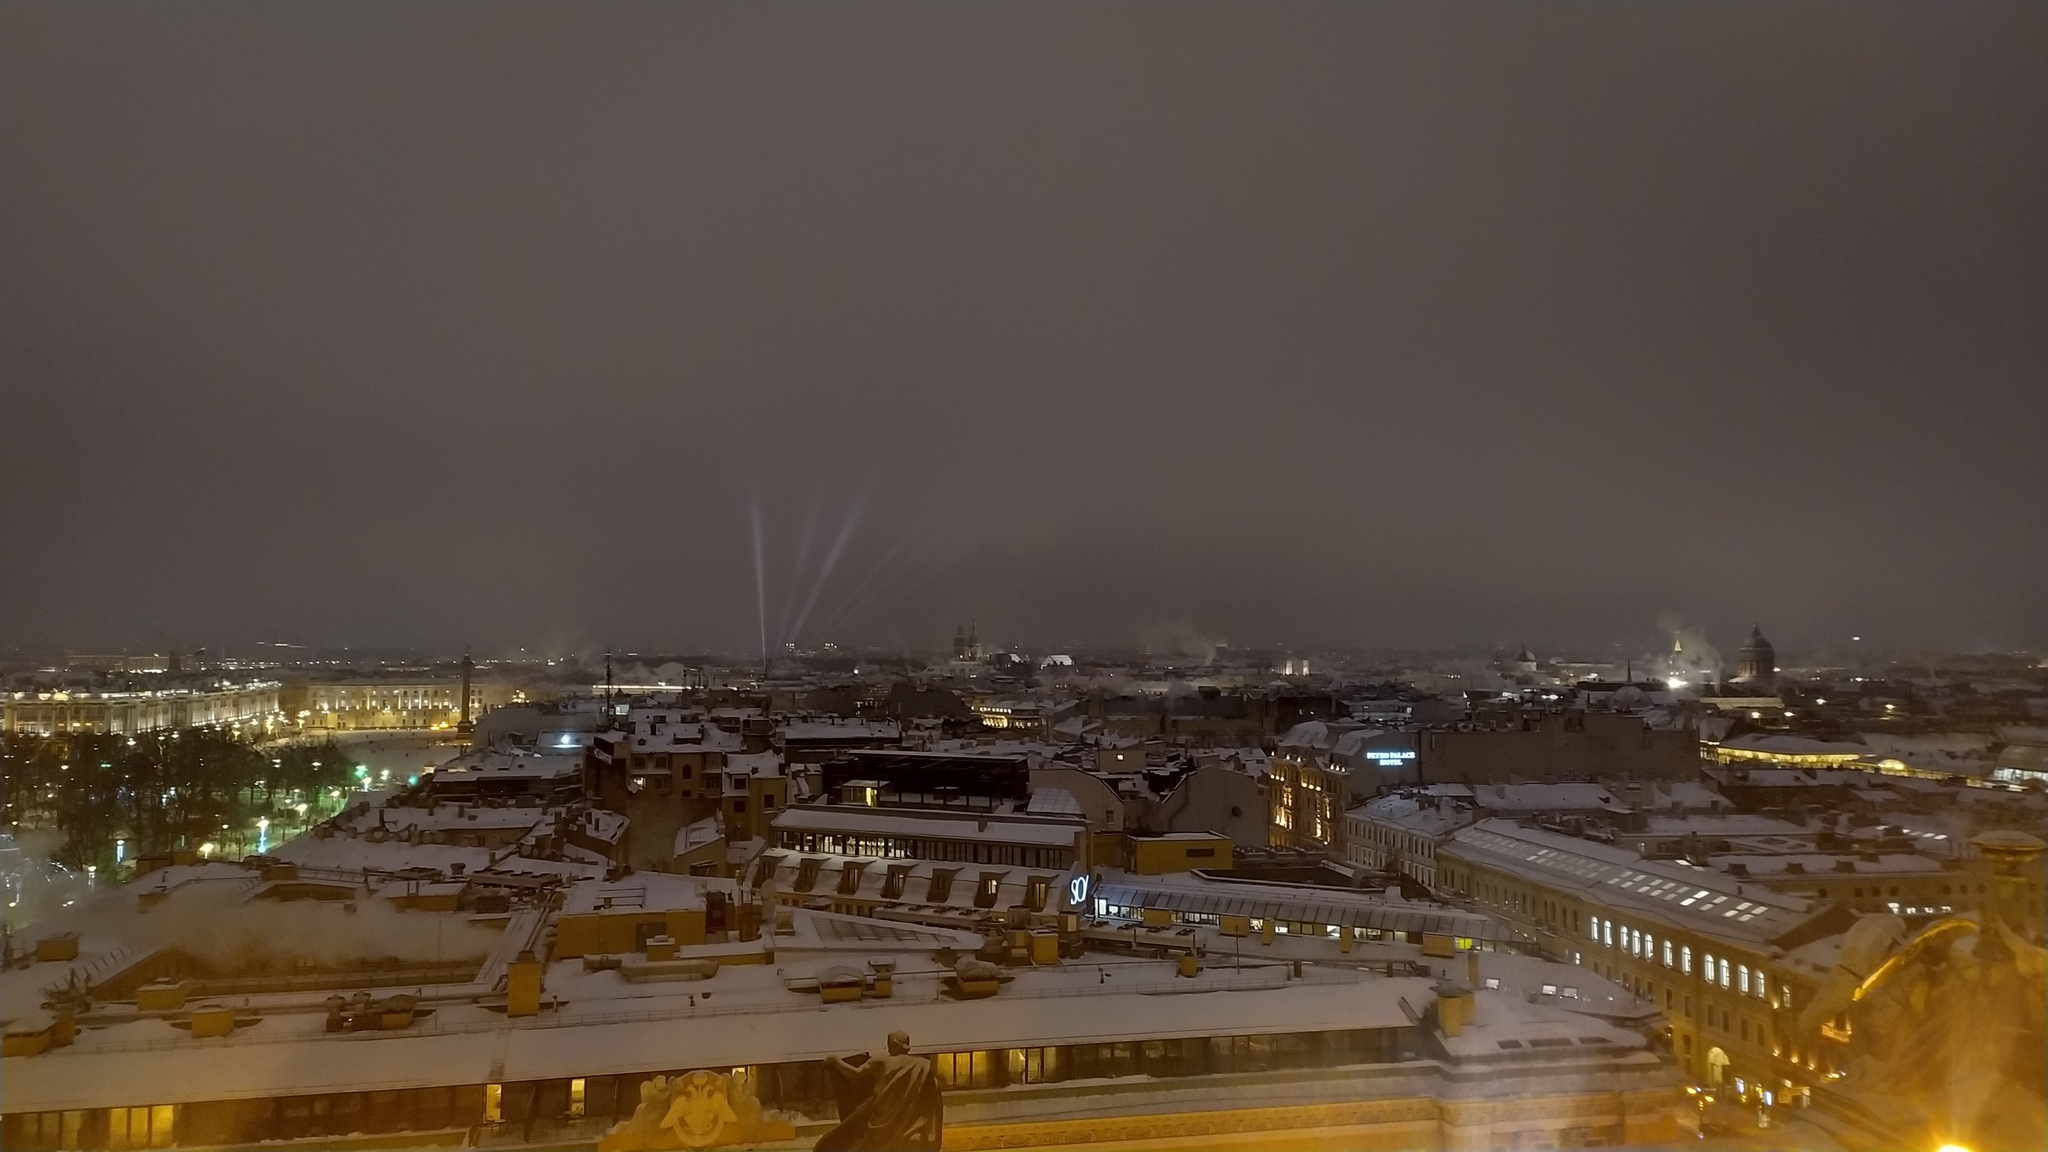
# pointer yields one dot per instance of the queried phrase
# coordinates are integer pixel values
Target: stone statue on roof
(1947, 1032)
(886, 1104)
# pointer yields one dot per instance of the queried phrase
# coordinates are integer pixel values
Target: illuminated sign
(1390, 756)
(1077, 890)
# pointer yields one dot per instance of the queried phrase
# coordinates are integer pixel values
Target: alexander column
(465, 726)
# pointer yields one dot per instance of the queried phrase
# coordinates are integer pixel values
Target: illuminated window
(1724, 972)
(494, 1103)
(1742, 978)
(990, 888)
(964, 1069)
(892, 886)
(576, 1097)
(1667, 953)
(1034, 1065)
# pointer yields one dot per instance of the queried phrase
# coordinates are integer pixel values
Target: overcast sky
(1277, 324)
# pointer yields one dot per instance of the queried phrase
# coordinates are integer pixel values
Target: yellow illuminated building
(1784, 751)
(254, 705)
(345, 705)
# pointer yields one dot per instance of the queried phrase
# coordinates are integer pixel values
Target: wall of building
(749, 813)
(594, 933)
(1223, 800)
(1155, 855)
(1100, 805)
(1574, 745)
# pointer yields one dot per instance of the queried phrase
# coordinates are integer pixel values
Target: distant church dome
(1758, 661)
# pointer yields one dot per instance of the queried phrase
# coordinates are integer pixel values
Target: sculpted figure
(698, 1109)
(1949, 1028)
(895, 1105)
(693, 1111)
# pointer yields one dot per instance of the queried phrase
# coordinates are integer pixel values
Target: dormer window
(892, 884)
(807, 873)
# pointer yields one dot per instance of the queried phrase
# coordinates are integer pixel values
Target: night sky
(1346, 324)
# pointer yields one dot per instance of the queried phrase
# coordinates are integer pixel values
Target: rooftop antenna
(608, 685)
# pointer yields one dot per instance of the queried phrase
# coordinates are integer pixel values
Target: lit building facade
(1721, 957)
(1781, 750)
(1306, 789)
(1022, 718)
(348, 705)
(252, 705)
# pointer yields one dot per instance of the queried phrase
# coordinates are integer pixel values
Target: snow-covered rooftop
(640, 892)
(697, 834)
(1423, 816)
(1674, 892)
(1217, 895)
(921, 822)
(445, 817)
(1783, 744)
(1825, 864)
(604, 1025)
(753, 764)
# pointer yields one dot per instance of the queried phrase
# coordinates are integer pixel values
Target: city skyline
(876, 577)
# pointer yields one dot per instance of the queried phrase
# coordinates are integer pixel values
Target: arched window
(1717, 1067)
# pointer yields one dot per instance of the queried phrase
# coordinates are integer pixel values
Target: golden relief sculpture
(696, 1110)
(1947, 1032)
(887, 1103)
